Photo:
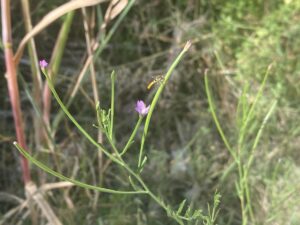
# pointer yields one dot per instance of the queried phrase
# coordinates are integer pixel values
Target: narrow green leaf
(188, 211)
(62, 177)
(180, 208)
(216, 120)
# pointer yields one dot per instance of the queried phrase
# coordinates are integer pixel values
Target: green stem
(66, 111)
(156, 97)
(129, 142)
(112, 104)
(152, 195)
(114, 147)
(259, 133)
(118, 160)
(251, 110)
(216, 120)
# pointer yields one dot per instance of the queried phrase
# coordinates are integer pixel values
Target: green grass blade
(251, 110)
(259, 133)
(216, 120)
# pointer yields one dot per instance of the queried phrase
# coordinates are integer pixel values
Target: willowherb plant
(105, 118)
(242, 158)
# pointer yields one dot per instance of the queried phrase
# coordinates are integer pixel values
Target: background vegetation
(237, 41)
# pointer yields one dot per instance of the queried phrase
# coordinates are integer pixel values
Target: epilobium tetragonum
(141, 108)
(43, 64)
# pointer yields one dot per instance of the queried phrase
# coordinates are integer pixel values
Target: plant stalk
(13, 89)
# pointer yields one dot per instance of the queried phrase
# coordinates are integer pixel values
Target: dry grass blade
(114, 9)
(13, 212)
(54, 65)
(59, 185)
(36, 74)
(50, 186)
(81, 75)
(10, 198)
(37, 78)
(50, 18)
(95, 91)
(33, 192)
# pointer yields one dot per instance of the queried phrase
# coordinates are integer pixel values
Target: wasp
(157, 79)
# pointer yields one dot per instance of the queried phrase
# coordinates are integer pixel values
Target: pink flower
(43, 63)
(141, 108)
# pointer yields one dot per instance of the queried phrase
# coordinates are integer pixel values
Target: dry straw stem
(115, 8)
(37, 195)
(50, 186)
(55, 62)
(97, 49)
(50, 18)
(32, 48)
(33, 193)
(89, 46)
(36, 75)
(14, 211)
(24, 203)
(90, 54)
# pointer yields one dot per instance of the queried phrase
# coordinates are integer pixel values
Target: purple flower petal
(43, 63)
(141, 108)
(145, 110)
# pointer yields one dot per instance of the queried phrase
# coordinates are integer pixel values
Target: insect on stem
(157, 79)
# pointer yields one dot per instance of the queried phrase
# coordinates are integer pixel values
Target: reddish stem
(12, 84)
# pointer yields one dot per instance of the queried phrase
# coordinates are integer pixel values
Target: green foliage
(275, 41)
